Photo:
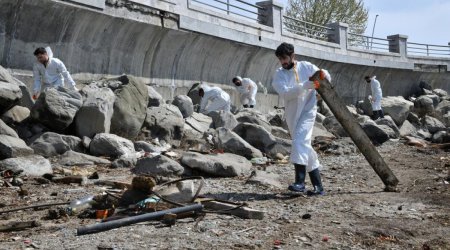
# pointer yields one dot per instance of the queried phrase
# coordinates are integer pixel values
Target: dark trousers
(377, 114)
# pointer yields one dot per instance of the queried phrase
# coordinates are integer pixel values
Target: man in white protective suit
(247, 90)
(375, 98)
(49, 72)
(213, 99)
(293, 85)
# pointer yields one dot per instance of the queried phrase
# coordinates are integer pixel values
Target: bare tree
(322, 12)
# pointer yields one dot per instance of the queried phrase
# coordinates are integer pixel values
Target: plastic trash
(78, 205)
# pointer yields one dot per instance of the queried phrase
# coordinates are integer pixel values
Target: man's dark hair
(367, 78)
(285, 49)
(235, 79)
(40, 51)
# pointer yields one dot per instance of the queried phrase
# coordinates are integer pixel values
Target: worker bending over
(213, 99)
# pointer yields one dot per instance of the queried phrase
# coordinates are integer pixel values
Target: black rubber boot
(300, 174)
(245, 106)
(251, 106)
(316, 182)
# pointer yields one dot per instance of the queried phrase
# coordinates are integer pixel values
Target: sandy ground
(355, 213)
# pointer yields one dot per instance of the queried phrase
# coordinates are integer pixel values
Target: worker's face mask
(286, 62)
(237, 83)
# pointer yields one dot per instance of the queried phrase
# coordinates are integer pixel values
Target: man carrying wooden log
(293, 85)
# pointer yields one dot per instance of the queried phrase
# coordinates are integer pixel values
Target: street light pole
(373, 30)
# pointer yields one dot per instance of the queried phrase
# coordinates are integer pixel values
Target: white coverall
(52, 76)
(214, 99)
(247, 91)
(300, 110)
(376, 93)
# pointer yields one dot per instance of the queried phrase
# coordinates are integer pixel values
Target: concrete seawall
(118, 40)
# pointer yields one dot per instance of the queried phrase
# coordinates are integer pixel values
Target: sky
(423, 21)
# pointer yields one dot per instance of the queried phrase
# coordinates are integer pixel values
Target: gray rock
(222, 165)
(165, 123)
(276, 118)
(10, 95)
(440, 92)
(16, 114)
(232, 143)
(407, 129)
(443, 107)
(365, 106)
(110, 145)
(124, 161)
(265, 179)
(56, 108)
(184, 104)
(223, 119)
(26, 99)
(378, 134)
(253, 116)
(321, 131)
(339, 146)
(320, 118)
(96, 113)
(323, 108)
(32, 165)
(130, 108)
(432, 124)
(72, 158)
(446, 119)
(388, 121)
(154, 98)
(158, 165)
(424, 134)
(397, 107)
(6, 130)
(333, 126)
(52, 144)
(423, 105)
(280, 132)
(149, 147)
(13, 147)
(198, 124)
(441, 137)
(435, 98)
(414, 119)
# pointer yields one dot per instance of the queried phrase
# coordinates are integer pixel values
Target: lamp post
(373, 30)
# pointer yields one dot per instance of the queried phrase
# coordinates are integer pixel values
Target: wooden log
(357, 134)
(18, 225)
(241, 212)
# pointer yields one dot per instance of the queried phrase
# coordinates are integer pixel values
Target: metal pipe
(100, 227)
(373, 29)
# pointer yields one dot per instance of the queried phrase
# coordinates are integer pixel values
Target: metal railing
(367, 42)
(427, 49)
(235, 7)
(306, 29)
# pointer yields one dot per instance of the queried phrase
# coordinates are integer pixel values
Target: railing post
(398, 44)
(338, 34)
(271, 15)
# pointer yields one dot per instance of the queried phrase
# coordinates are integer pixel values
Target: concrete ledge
(100, 4)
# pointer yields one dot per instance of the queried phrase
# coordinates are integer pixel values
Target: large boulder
(52, 144)
(388, 121)
(423, 105)
(443, 107)
(378, 134)
(253, 116)
(184, 104)
(96, 113)
(223, 119)
(397, 107)
(432, 124)
(165, 123)
(407, 129)
(130, 108)
(26, 99)
(6, 130)
(440, 92)
(72, 158)
(441, 137)
(32, 165)
(16, 114)
(333, 126)
(232, 143)
(158, 165)
(56, 108)
(280, 132)
(13, 147)
(110, 145)
(154, 98)
(10, 95)
(221, 165)
(198, 123)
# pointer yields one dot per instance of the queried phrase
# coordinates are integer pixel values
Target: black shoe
(251, 106)
(300, 174)
(245, 106)
(316, 182)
